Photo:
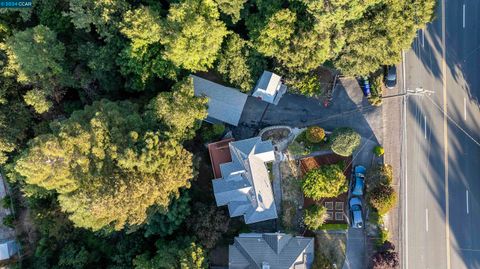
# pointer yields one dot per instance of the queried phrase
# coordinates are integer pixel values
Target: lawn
(332, 247)
(292, 196)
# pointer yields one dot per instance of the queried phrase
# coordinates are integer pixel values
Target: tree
(325, 181)
(142, 59)
(387, 258)
(104, 15)
(106, 165)
(239, 64)
(345, 141)
(306, 84)
(231, 8)
(382, 198)
(378, 39)
(37, 99)
(315, 134)
(208, 223)
(193, 34)
(15, 119)
(315, 216)
(182, 253)
(180, 110)
(164, 222)
(37, 58)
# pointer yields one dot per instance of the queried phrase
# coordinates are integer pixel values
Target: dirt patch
(332, 246)
(310, 163)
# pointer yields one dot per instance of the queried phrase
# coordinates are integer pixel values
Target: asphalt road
(442, 184)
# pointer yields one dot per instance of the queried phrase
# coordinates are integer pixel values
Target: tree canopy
(107, 166)
(344, 141)
(325, 181)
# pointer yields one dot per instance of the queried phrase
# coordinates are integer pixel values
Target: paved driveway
(355, 257)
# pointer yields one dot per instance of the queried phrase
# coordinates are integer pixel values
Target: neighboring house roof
(269, 88)
(225, 104)
(245, 184)
(8, 249)
(271, 251)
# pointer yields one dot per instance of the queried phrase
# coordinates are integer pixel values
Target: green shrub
(315, 216)
(7, 201)
(379, 174)
(218, 129)
(211, 132)
(345, 141)
(8, 221)
(383, 236)
(382, 198)
(375, 98)
(378, 151)
(315, 134)
(326, 181)
(334, 226)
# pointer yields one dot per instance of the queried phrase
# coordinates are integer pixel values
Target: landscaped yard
(301, 146)
(332, 246)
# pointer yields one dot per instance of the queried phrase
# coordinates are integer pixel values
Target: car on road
(358, 182)
(365, 85)
(391, 77)
(356, 212)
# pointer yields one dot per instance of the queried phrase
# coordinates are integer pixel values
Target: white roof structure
(269, 88)
(245, 184)
(225, 104)
(272, 251)
(8, 249)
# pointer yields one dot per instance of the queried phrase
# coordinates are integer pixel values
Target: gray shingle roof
(269, 88)
(279, 251)
(225, 104)
(245, 184)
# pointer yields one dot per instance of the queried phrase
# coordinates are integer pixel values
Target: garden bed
(301, 146)
(331, 246)
(276, 135)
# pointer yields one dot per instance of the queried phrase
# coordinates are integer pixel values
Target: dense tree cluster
(97, 113)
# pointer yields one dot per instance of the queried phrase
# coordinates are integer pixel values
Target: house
(225, 104)
(244, 182)
(271, 251)
(269, 88)
(8, 248)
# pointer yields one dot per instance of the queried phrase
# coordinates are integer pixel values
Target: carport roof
(225, 104)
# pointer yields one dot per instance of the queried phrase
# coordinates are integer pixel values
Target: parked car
(365, 85)
(356, 212)
(358, 182)
(391, 77)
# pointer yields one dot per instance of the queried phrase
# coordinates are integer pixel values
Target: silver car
(356, 212)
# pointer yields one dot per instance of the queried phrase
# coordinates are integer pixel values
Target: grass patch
(332, 226)
(288, 215)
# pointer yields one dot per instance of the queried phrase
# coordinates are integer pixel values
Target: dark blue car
(365, 85)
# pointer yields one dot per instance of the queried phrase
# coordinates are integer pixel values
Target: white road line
(464, 108)
(468, 211)
(425, 127)
(463, 16)
(426, 219)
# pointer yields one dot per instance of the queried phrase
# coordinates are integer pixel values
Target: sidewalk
(392, 121)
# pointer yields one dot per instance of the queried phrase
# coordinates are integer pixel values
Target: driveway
(349, 108)
(355, 257)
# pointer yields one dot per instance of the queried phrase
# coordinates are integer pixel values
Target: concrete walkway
(355, 256)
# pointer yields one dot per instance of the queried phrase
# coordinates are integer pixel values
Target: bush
(378, 151)
(7, 201)
(345, 141)
(211, 132)
(8, 221)
(382, 237)
(387, 258)
(375, 98)
(379, 174)
(315, 216)
(326, 181)
(382, 198)
(315, 134)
